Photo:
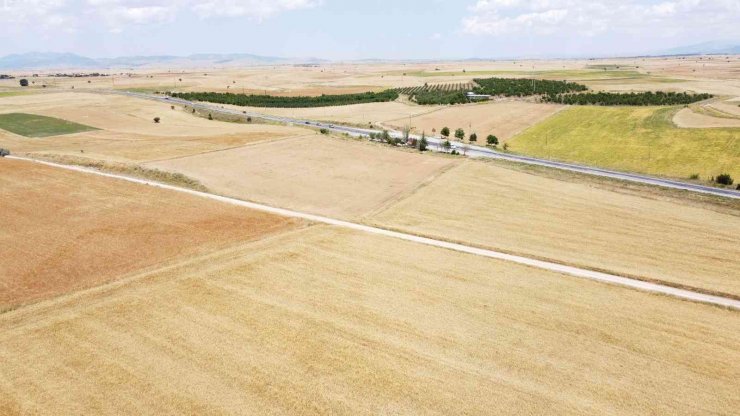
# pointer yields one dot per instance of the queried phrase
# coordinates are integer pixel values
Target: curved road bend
(474, 151)
(544, 265)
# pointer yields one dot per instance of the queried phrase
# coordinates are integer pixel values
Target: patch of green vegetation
(637, 139)
(12, 93)
(632, 98)
(32, 125)
(288, 102)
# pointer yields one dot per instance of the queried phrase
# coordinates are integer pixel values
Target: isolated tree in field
(492, 140)
(445, 132)
(156, 119)
(24, 82)
(473, 137)
(460, 134)
(423, 142)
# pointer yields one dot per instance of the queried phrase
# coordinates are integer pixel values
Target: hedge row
(633, 98)
(288, 102)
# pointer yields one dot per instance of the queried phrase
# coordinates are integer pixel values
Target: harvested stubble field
(329, 321)
(632, 139)
(688, 118)
(358, 114)
(576, 223)
(502, 119)
(127, 132)
(337, 177)
(63, 231)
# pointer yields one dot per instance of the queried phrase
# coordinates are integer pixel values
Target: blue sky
(355, 29)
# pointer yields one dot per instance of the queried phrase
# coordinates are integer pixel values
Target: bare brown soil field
(328, 321)
(64, 231)
(575, 223)
(503, 119)
(687, 118)
(318, 174)
(127, 130)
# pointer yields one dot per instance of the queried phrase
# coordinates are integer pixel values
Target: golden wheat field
(316, 173)
(323, 321)
(643, 236)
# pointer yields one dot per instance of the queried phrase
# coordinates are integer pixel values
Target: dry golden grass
(576, 223)
(318, 174)
(63, 230)
(325, 321)
(127, 130)
(502, 119)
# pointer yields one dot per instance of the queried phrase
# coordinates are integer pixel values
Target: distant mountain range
(709, 48)
(49, 60)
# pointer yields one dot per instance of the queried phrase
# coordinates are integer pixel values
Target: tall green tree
(460, 134)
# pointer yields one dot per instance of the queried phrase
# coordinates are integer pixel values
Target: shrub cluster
(633, 98)
(288, 102)
(511, 87)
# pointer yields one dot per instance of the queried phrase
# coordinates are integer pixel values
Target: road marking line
(540, 264)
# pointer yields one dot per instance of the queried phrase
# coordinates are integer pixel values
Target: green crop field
(32, 125)
(633, 139)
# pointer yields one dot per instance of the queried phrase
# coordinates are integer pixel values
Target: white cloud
(117, 15)
(257, 9)
(592, 17)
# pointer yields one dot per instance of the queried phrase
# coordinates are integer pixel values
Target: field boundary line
(257, 143)
(526, 261)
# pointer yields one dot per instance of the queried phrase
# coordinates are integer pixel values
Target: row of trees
(491, 140)
(512, 87)
(633, 98)
(288, 102)
(385, 137)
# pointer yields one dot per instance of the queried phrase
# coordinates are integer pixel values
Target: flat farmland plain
(126, 130)
(63, 231)
(329, 321)
(358, 114)
(343, 178)
(576, 223)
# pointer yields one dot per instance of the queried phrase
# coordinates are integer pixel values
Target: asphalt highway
(471, 151)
